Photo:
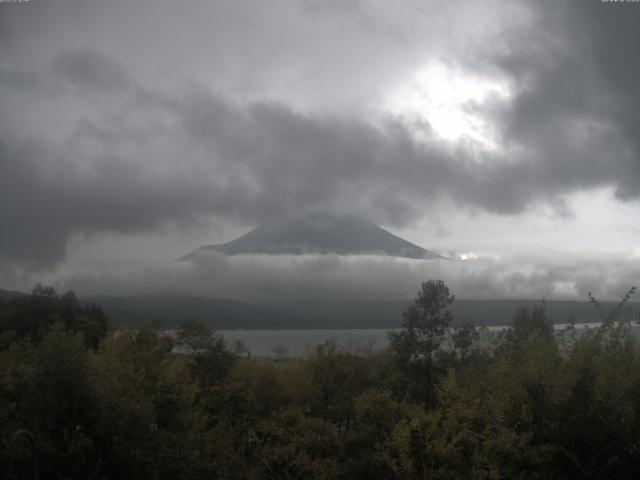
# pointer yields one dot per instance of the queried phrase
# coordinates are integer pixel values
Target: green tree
(46, 390)
(335, 378)
(465, 342)
(149, 423)
(210, 359)
(34, 315)
(417, 345)
(530, 320)
(194, 336)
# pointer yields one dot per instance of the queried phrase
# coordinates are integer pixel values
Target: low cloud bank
(264, 278)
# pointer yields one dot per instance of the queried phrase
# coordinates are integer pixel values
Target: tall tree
(210, 357)
(417, 345)
(194, 336)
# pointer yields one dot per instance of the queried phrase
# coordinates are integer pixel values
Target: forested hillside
(437, 404)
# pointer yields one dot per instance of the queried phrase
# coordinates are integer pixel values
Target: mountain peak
(320, 233)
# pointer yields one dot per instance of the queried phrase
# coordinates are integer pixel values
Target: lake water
(293, 343)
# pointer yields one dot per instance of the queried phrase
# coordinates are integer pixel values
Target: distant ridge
(170, 311)
(7, 295)
(319, 233)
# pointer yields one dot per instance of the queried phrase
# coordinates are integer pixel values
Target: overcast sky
(507, 133)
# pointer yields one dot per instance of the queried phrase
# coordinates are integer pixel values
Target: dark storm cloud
(577, 106)
(137, 156)
(47, 198)
(615, 36)
(253, 162)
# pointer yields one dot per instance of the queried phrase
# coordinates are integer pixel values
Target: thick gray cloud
(255, 162)
(242, 111)
(90, 69)
(576, 107)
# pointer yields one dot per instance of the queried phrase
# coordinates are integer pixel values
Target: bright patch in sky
(448, 99)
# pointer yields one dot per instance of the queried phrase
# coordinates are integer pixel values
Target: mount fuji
(319, 233)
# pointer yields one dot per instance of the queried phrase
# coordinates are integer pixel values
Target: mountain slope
(320, 233)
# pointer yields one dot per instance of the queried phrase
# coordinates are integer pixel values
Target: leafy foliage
(417, 345)
(440, 403)
(34, 315)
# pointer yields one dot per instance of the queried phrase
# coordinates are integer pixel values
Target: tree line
(438, 403)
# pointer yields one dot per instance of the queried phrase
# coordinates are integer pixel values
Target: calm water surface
(293, 343)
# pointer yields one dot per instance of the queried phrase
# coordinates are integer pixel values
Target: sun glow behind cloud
(448, 99)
